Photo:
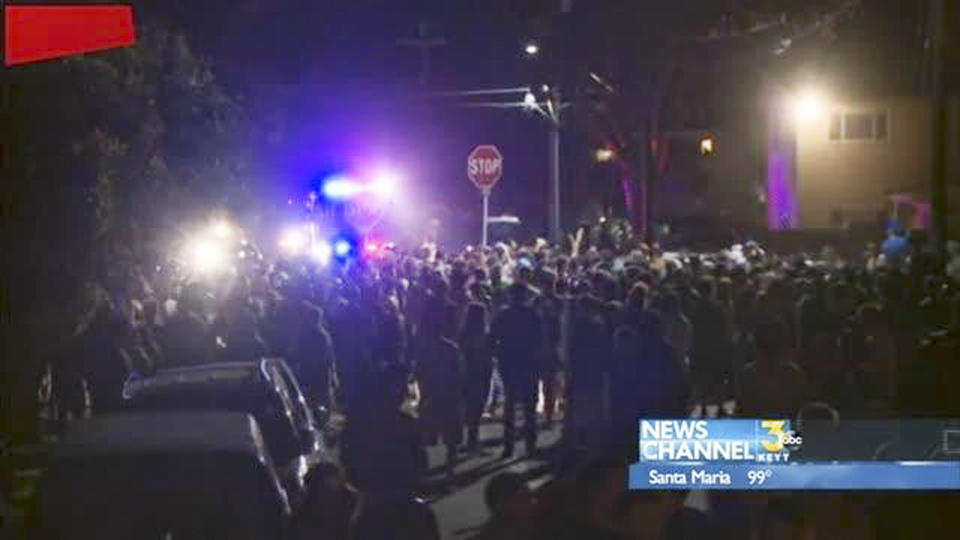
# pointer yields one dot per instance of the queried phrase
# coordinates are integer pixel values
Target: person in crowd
(390, 345)
(382, 446)
(105, 362)
(354, 366)
(663, 385)
(313, 358)
(659, 515)
(185, 338)
(589, 509)
(710, 346)
(475, 344)
(677, 327)
(145, 351)
(784, 520)
(627, 352)
(513, 509)
(550, 308)
(873, 351)
(772, 385)
(236, 325)
(440, 373)
(331, 505)
(398, 518)
(589, 369)
(896, 247)
(517, 338)
(953, 261)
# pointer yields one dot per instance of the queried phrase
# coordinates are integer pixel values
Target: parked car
(163, 475)
(266, 389)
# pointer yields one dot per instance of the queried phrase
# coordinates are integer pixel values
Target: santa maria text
(694, 477)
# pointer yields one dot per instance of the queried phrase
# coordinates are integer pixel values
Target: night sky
(330, 80)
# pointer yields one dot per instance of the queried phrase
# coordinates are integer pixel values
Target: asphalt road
(459, 507)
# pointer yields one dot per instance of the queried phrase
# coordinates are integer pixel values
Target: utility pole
(938, 173)
(425, 44)
(649, 185)
(556, 234)
(552, 111)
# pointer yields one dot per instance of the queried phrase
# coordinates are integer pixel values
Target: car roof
(181, 432)
(219, 374)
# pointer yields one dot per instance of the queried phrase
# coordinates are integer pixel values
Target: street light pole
(554, 190)
(938, 176)
(553, 113)
(486, 215)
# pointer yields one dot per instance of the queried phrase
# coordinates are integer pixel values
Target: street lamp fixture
(807, 105)
(532, 49)
(604, 155)
(706, 146)
(530, 101)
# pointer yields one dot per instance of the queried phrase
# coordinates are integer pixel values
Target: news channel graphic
(769, 454)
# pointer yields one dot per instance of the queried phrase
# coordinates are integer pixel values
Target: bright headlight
(205, 257)
(293, 240)
(222, 229)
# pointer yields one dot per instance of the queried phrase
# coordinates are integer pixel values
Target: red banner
(45, 32)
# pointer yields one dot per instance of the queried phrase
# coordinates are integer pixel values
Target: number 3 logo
(775, 428)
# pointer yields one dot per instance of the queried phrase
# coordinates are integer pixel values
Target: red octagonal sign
(485, 166)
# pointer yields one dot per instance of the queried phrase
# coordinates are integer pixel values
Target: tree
(121, 147)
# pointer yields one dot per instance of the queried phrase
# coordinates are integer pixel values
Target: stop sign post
(484, 168)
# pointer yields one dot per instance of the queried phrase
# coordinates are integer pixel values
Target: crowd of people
(600, 331)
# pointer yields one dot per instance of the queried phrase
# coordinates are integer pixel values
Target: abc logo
(792, 439)
(780, 437)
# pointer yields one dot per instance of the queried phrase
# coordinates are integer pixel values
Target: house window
(836, 127)
(880, 126)
(859, 126)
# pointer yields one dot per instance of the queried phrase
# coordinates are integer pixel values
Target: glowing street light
(530, 100)
(532, 49)
(603, 155)
(807, 105)
(706, 146)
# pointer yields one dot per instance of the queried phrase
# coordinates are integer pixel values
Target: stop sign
(485, 166)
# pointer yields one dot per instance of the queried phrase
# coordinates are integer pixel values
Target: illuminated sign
(742, 454)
